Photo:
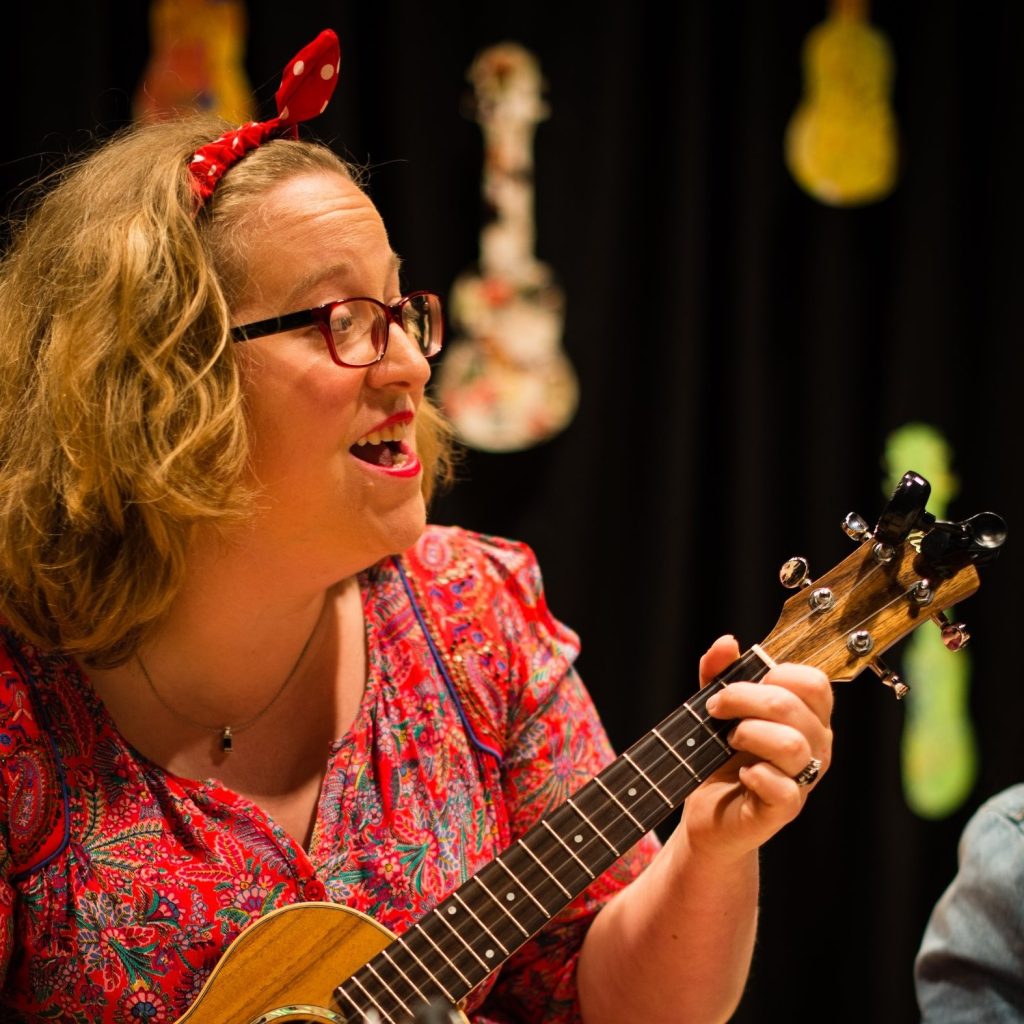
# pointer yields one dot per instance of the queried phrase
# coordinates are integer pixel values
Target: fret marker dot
(690, 742)
(631, 791)
(489, 953)
(453, 911)
(577, 839)
(510, 896)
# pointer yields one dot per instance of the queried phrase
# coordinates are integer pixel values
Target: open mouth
(388, 454)
(385, 447)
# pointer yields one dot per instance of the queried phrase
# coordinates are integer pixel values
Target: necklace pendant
(227, 742)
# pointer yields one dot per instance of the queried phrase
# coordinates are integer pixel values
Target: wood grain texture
(868, 595)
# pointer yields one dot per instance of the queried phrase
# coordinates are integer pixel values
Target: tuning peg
(856, 528)
(954, 634)
(795, 573)
(890, 679)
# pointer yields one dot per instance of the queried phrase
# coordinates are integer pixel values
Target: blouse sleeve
(554, 743)
(971, 963)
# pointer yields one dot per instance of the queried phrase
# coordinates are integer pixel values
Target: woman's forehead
(317, 231)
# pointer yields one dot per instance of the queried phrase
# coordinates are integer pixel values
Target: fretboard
(473, 931)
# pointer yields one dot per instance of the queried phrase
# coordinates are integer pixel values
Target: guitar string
(452, 960)
(708, 738)
(448, 960)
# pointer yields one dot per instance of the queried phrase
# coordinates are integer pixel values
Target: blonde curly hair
(122, 419)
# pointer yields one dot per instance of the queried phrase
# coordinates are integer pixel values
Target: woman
(224, 690)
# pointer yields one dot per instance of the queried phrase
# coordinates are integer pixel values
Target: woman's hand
(784, 724)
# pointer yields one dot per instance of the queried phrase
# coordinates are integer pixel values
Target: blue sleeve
(970, 967)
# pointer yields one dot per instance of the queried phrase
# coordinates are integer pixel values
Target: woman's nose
(404, 362)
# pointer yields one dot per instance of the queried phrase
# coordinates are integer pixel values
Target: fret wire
(646, 779)
(698, 738)
(394, 963)
(362, 988)
(391, 992)
(618, 803)
(651, 774)
(451, 927)
(447, 959)
(479, 921)
(615, 827)
(543, 867)
(607, 842)
(401, 940)
(568, 849)
(636, 793)
(714, 735)
(340, 993)
(512, 875)
(709, 756)
(675, 753)
(501, 906)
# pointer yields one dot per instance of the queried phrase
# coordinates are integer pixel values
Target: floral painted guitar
(321, 962)
(505, 382)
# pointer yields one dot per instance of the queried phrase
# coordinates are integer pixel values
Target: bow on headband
(306, 88)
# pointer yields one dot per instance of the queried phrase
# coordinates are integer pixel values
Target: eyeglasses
(356, 330)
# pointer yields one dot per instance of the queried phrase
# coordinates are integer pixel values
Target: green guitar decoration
(939, 752)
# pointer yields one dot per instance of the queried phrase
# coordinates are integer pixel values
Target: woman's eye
(342, 320)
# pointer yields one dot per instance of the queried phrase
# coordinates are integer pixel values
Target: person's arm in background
(970, 967)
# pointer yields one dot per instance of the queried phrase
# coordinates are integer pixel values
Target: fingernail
(712, 704)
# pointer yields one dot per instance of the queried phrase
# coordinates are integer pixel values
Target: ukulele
(322, 962)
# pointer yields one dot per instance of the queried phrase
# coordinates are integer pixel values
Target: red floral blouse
(122, 885)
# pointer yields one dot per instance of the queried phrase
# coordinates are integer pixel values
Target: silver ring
(808, 773)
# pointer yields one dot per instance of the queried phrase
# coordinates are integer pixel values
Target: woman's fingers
(718, 657)
(782, 720)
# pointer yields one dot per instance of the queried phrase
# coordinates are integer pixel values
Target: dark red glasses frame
(379, 333)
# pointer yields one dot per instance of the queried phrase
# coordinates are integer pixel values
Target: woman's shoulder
(33, 819)
(452, 553)
(478, 589)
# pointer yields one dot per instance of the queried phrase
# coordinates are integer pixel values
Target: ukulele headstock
(907, 570)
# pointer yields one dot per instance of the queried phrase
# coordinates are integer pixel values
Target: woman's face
(318, 238)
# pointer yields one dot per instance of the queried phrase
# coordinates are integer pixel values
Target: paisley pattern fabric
(122, 885)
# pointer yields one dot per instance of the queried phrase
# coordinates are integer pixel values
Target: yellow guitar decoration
(196, 61)
(939, 753)
(841, 142)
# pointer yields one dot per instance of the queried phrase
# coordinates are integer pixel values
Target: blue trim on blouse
(443, 669)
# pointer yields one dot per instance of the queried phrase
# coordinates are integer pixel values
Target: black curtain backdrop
(743, 352)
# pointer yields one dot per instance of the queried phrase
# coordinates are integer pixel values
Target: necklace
(227, 732)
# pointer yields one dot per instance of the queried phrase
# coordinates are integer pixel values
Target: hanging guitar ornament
(196, 62)
(841, 142)
(939, 752)
(505, 382)
(341, 966)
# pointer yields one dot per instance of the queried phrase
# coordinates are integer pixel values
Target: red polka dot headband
(306, 88)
